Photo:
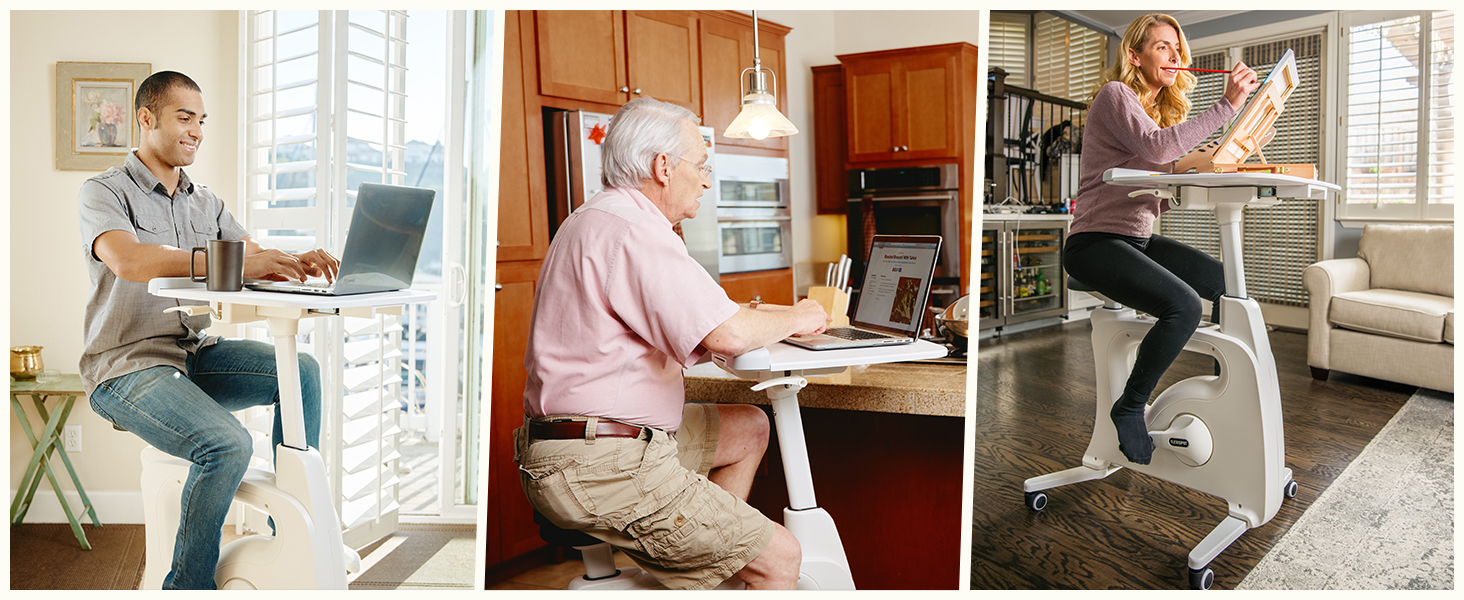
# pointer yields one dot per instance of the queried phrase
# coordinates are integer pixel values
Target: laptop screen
(387, 228)
(897, 283)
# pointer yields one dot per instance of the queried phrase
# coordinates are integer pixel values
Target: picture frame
(95, 124)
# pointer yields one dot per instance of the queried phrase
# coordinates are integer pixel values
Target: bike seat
(558, 536)
(1075, 285)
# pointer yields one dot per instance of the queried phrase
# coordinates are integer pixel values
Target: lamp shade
(760, 119)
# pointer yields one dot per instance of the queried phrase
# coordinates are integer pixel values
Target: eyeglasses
(706, 169)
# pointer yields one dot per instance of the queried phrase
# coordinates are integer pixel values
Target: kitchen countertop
(901, 388)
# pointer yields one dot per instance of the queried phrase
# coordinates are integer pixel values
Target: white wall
(49, 285)
(817, 37)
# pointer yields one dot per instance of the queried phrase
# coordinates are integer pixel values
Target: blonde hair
(1172, 104)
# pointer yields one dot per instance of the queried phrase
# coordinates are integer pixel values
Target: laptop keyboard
(850, 333)
(317, 285)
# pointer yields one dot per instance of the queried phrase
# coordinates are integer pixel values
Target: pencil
(1189, 69)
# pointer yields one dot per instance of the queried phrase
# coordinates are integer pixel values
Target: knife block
(834, 301)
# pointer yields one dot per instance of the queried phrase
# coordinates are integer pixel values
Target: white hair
(639, 131)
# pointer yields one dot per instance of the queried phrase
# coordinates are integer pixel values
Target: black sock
(1133, 432)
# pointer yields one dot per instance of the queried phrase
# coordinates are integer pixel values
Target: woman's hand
(1239, 84)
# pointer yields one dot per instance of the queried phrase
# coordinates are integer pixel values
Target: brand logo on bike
(1182, 443)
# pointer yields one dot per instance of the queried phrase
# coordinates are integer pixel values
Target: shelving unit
(1032, 284)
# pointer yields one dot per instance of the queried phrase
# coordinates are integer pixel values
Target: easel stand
(306, 551)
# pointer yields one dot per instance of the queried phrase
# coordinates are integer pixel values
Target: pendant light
(759, 118)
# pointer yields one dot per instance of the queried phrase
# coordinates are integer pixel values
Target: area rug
(1387, 522)
(420, 557)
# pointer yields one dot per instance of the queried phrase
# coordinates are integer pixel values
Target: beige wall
(48, 278)
(817, 37)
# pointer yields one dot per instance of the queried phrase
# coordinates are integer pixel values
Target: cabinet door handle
(624, 89)
(637, 90)
(497, 287)
(895, 149)
(904, 148)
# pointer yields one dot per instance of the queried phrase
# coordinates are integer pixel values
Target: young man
(157, 375)
(611, 447)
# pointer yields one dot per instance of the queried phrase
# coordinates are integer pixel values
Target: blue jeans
(188, 415)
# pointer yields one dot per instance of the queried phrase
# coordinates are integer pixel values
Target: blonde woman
(1136, 120)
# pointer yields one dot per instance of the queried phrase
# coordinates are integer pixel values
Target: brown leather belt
(575, 430)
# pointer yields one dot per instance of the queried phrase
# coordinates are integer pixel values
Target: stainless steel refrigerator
(574, 174)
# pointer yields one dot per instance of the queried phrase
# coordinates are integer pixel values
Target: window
(333, 99)
(1007, 46)
(1398, 120)
(1069, 58)
(1279, 241)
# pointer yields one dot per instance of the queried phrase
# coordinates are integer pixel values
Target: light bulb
(759, 128)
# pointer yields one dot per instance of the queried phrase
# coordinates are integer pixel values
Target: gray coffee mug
(225, 265)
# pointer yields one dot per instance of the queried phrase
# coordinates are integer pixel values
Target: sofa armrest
(1322, 281)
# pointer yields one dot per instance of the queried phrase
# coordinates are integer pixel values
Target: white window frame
(1421, 210)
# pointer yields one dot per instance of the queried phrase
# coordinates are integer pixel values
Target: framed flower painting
(95, 124)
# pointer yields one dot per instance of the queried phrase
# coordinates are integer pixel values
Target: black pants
(1155, 275)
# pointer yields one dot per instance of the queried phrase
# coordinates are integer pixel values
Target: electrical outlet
(71, 438)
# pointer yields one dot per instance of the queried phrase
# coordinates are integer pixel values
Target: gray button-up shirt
(126, 329)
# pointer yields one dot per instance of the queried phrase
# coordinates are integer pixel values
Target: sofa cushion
(1413, 258)
(1395, 313)
(1449, 327)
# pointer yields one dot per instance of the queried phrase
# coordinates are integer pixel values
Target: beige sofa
(1389, 313)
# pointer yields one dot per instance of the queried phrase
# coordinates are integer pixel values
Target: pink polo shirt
(620, 310)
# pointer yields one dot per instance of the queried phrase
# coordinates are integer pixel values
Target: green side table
(66, 390)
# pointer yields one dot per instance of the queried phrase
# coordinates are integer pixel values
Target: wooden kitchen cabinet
(523, 217)
(510, 518)
(908, 104)
(611, 56)
(726, 49)
(774, 286)
(830, 178)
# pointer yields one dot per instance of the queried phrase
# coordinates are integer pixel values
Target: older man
(611, 447)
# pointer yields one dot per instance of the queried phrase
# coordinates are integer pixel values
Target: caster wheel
(1201, 579)
(1036, 500)
(1290, 489)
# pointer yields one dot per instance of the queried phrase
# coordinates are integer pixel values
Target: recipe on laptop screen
(897, 277)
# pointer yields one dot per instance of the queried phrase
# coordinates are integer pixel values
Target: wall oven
(754, 221)
(922, 200)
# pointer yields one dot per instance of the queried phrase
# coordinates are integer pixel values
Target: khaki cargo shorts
(648, 497)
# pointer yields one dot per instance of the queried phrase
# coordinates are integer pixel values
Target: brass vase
(25, 362)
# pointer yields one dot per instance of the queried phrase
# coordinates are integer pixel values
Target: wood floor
(1035, 409)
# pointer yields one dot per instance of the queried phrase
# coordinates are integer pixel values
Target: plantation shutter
(1069, 58)
(1007, 46)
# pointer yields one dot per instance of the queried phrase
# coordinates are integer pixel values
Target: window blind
(1441, 100)
(1007, 46)
(1383, 112)
(1069, 58)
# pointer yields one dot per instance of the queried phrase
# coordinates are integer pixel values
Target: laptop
(387, 228)
(892, 298)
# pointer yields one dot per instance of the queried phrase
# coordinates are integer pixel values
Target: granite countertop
(902, 388)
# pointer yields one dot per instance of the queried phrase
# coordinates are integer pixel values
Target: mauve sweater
(1120, 134)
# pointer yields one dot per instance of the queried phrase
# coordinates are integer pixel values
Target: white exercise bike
(779, 370)
(1221, 435)
(306, 551)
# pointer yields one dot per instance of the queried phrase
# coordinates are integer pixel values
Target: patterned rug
(1386, 523)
